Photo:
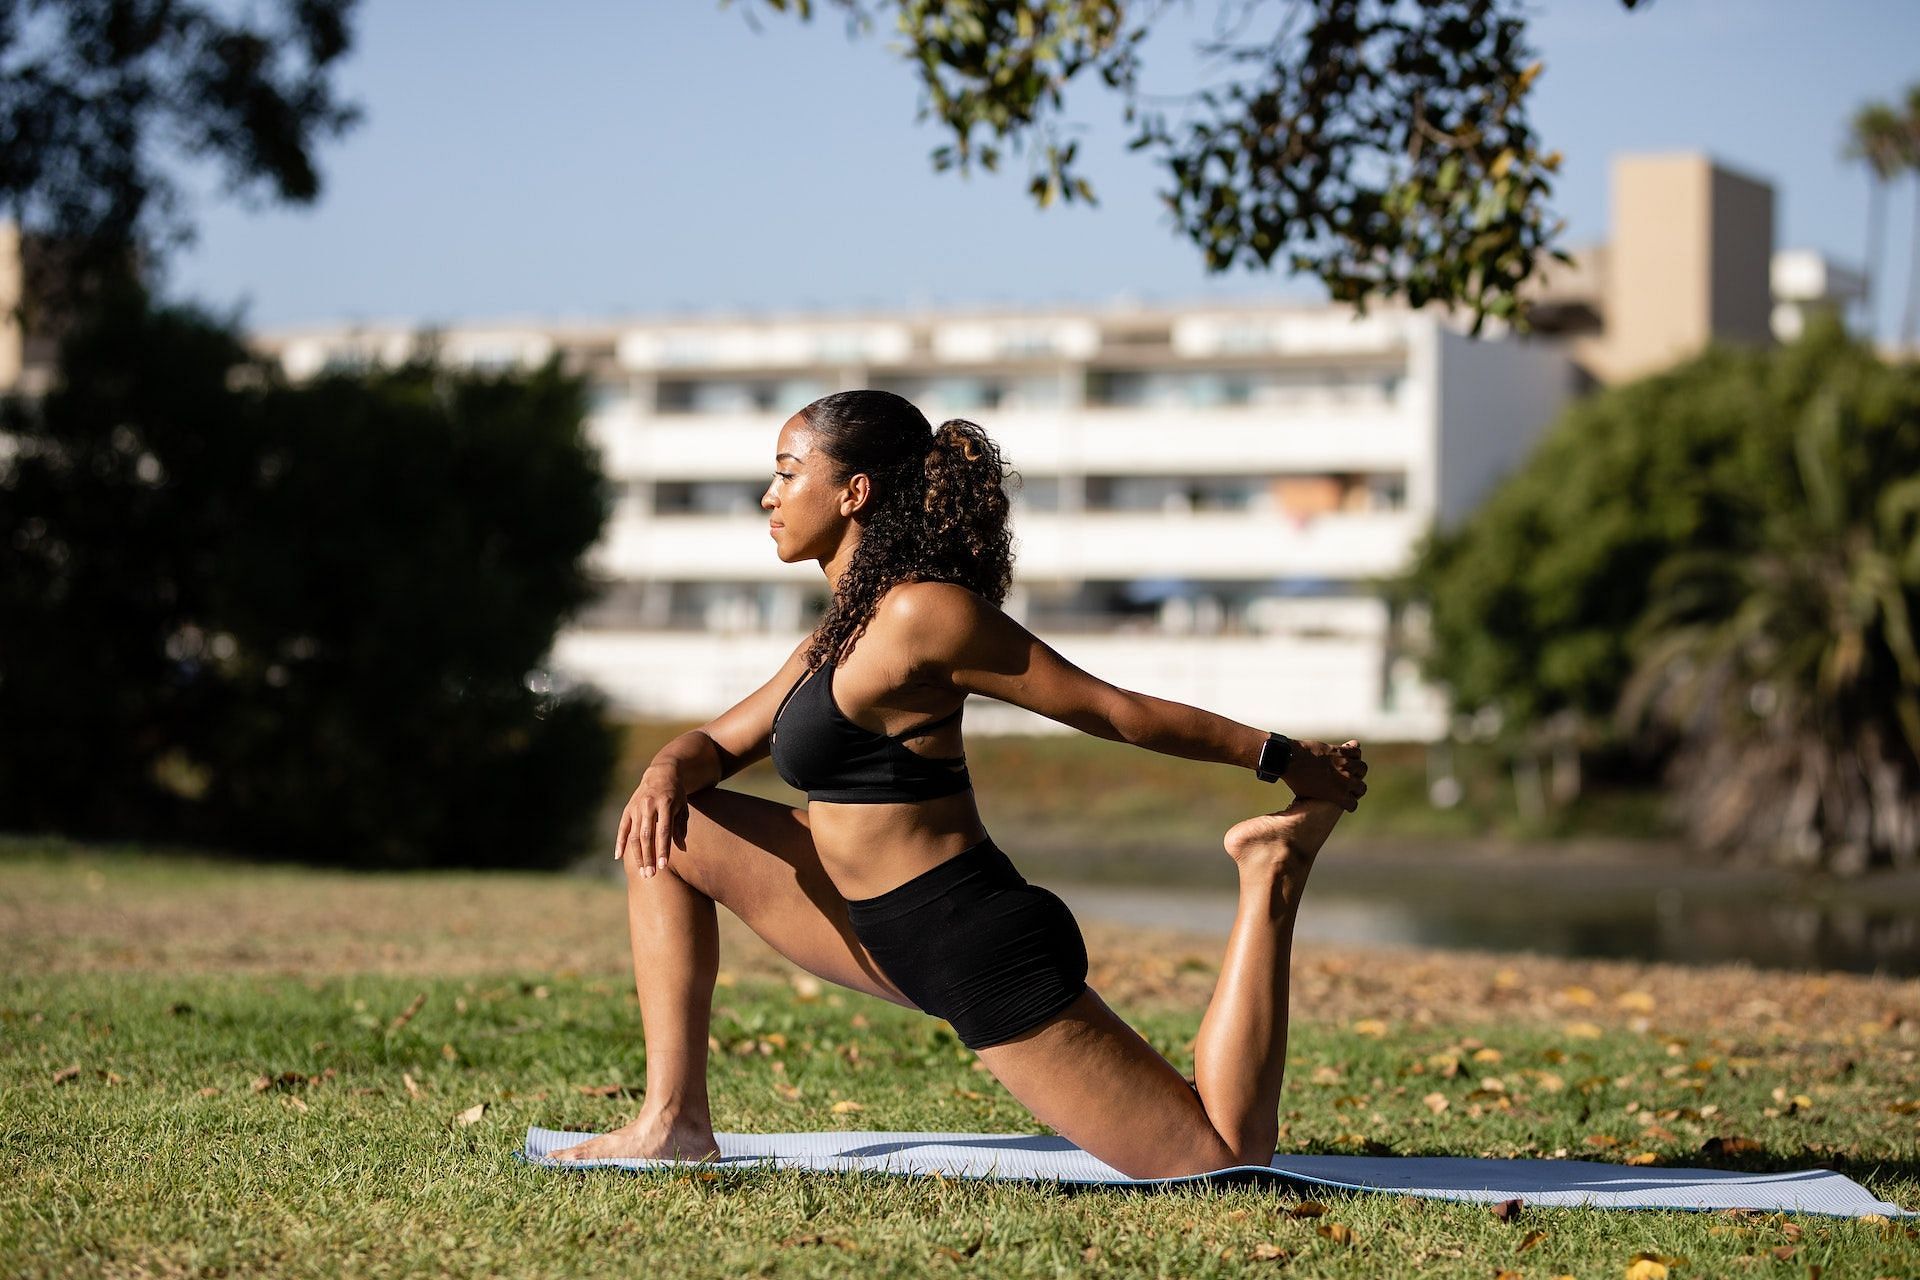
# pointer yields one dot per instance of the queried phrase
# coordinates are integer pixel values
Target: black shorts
(972, 942)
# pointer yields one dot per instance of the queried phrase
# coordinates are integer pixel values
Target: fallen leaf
(845, 1105)
(448, 1052)
(1307, 1209)
(208, 1092)
(413, 1086)
(791, 1092)
(1488, 1054)
(1090, 1253)
(1270, 1253)
(1508, 1210)
(1578, 995)
(1370, 1027)
(1436, 1102)
(1637, 1001)
(610, 1090)
(1529, 1240)
(405, 1016)
(297, 1104)
(806, 987)
(1602, 1140)
(1583, 1030)
(1730, 1147)
(262, 1083)
(65, 1074)
(1646, 1269)
(1784, 1251)
(1643, 1158)
(471, 1114)
(1338, 1232)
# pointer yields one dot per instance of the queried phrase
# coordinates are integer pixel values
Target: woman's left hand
(1320, 772)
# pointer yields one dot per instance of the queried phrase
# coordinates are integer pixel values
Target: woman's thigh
(1100, 1085)
(756, 858)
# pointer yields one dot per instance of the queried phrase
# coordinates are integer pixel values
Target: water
(1685, 915)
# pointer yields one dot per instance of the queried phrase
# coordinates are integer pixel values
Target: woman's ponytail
(967, 537)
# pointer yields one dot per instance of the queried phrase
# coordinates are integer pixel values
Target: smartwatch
(1275, 754)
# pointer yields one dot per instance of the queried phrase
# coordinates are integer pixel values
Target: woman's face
(807, 513)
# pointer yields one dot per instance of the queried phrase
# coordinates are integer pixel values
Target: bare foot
(1285, 840)
(649, 1137)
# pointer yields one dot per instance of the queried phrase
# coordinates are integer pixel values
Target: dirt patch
(90, 914)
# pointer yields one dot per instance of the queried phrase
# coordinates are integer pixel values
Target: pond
(1550, 905)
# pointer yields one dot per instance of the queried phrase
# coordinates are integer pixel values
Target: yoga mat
(1052, 1158)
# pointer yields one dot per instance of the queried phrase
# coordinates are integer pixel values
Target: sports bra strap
(929, 725)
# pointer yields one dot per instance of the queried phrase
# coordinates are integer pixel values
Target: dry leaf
(1646, 1269)
(1270, 1253)
(297, 1104)
(262, 1083)
(791, 1092)
(1506, 1275)
(1602, 1140)
(1370, 1027)
(448, 1052)
(1488, 1054)
(1583, 1030)
(1784, 1251)
(405, 1016)
(1643, 1158)
(65, 1074)
(1730, 1147)
(1338, 1232)
(1090, 1253)
(1637, 1001)
(1529, 1240)
(471, 1114)
(1508, 1210)
(845, 1105)
(208, 1092)
(1436, 1102)
(413, 1086)
(1307, 1209)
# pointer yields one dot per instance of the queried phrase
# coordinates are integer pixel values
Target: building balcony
(1365, 434)
(1108, 545)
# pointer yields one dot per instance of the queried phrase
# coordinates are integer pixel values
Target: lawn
(210, 1068)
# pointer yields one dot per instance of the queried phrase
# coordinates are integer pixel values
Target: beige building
(1689, 260)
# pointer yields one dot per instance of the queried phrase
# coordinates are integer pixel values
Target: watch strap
(1276, 753)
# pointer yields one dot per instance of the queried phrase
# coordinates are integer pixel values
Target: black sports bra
(818, 750)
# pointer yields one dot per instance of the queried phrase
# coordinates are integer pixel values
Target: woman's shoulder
(922, 603)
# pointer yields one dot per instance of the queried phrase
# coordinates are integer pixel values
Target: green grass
(160, 1156)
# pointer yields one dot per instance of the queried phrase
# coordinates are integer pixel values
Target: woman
(886, 882)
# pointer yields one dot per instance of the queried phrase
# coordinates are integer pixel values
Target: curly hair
(939, 511)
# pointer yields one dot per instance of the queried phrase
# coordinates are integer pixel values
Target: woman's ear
(859, 490)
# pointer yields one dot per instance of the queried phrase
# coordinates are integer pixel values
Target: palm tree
(1789, 673)
(1877, 137)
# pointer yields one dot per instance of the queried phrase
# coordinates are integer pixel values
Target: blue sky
(583, 158)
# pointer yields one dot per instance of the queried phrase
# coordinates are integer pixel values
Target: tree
(1875, 138)
(1570, 585)
(91, 90)
(1790, 673)
(295, 620)
(1381, 146)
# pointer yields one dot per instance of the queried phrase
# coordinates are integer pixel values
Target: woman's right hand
(655, 813)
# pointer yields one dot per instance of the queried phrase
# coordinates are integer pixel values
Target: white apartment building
(1208, 496)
